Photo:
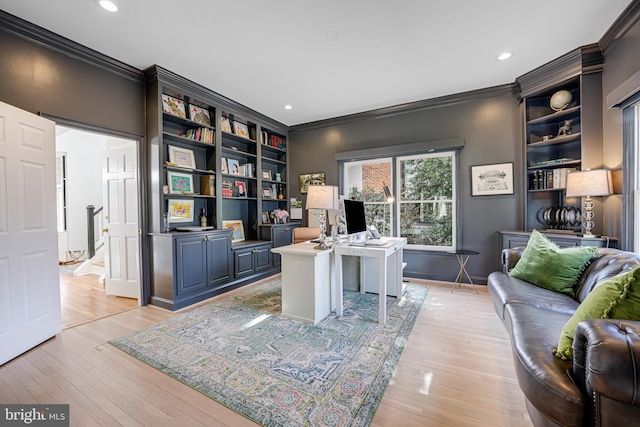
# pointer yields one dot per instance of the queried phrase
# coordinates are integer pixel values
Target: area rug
(68, 269)
(281, 372)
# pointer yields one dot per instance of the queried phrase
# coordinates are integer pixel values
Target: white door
(29, 282)
(120, 194)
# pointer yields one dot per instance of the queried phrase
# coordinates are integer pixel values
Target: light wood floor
(83, 300)
(456, 370)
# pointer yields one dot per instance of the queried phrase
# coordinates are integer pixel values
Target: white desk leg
(338, 285)
(382, 291)
(332, 284)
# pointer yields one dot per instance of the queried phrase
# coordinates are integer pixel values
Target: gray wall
(41, 80)
(621, 63)
(491, 129)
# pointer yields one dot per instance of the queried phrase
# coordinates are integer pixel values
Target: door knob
(105, 230)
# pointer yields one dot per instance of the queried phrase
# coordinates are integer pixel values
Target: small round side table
(463, 257)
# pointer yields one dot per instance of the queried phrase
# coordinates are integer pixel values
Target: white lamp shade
(595, 182)
(322, 197)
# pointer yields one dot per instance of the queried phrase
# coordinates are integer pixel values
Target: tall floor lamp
(588, 183)
(323, 197)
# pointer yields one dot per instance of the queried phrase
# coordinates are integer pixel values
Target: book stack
(227, 188)
(550, 179)
(205, 135)
(246, 169)
(274, 141)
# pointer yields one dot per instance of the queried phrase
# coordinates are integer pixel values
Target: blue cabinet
(252, 258)
(280, 235)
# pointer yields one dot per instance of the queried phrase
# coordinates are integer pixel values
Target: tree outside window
(426, 194)
(363, 182)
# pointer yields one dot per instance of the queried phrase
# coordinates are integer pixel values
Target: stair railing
(94, 228)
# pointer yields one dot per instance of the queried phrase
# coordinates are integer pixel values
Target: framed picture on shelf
(223, 165)
(199, 115)
(265, 218)
(173, 106)
(182, 157)
(240, 129)
(234, 167)
(242, 188)
(266, 174)
(491, 180)
(235, 225)
(180, 210)
(225, 125)
(266, 193)
(308, 179)
(180, 183)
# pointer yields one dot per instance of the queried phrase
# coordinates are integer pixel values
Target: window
(424, 210)
(363, 181)
(636, 180)
(426, 207)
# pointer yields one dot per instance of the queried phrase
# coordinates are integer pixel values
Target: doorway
(97, 204)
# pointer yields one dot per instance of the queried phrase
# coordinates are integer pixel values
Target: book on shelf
(272, 140)
(246, 169)
(205, 135)
(173, 106)
(199, 115)
(227, 188)
(550, 179)
(225, 125)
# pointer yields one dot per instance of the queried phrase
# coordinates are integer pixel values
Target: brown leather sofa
(601, 386)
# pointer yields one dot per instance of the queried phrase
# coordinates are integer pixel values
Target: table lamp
(323, 197)
(588, 183)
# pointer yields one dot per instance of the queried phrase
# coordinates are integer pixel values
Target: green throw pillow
(544, 264)
(617, 298)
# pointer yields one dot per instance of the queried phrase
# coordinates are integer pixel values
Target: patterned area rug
(68, 269)
(280, 372)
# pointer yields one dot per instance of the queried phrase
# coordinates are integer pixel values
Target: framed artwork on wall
(491, 180)
(311, 179)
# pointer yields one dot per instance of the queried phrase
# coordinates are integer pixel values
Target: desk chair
(302, 234)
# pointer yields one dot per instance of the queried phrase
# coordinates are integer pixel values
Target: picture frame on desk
(180, 183)
(180, 210)
(491, 180)
(199, 115)
(173, 106)
(225, 125)
(182, 157)
(237, 234)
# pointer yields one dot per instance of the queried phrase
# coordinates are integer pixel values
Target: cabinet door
(191, 264)
(219, 259)
(281, 236)
(243, 262)
(262, 258)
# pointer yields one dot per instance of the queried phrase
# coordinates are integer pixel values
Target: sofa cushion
(607, 264)
(543, 378)
(543, 263)
(617, 298)
(508, 290)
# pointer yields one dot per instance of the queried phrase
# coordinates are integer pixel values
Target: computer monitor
(354, 216)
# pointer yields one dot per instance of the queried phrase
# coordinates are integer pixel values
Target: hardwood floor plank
(456, 370)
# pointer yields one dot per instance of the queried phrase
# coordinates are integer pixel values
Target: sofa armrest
(510, 257)
(606, 359)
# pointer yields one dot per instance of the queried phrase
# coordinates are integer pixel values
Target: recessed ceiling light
(288, 107)
(504, 56)
(108, 5)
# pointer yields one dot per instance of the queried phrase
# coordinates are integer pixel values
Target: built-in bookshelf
(211, 157)
(560, 138)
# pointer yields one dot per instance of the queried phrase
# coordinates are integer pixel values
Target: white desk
(389, 259)
(307, 282)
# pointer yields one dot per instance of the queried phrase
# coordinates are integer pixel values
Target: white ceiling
(332, 57)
